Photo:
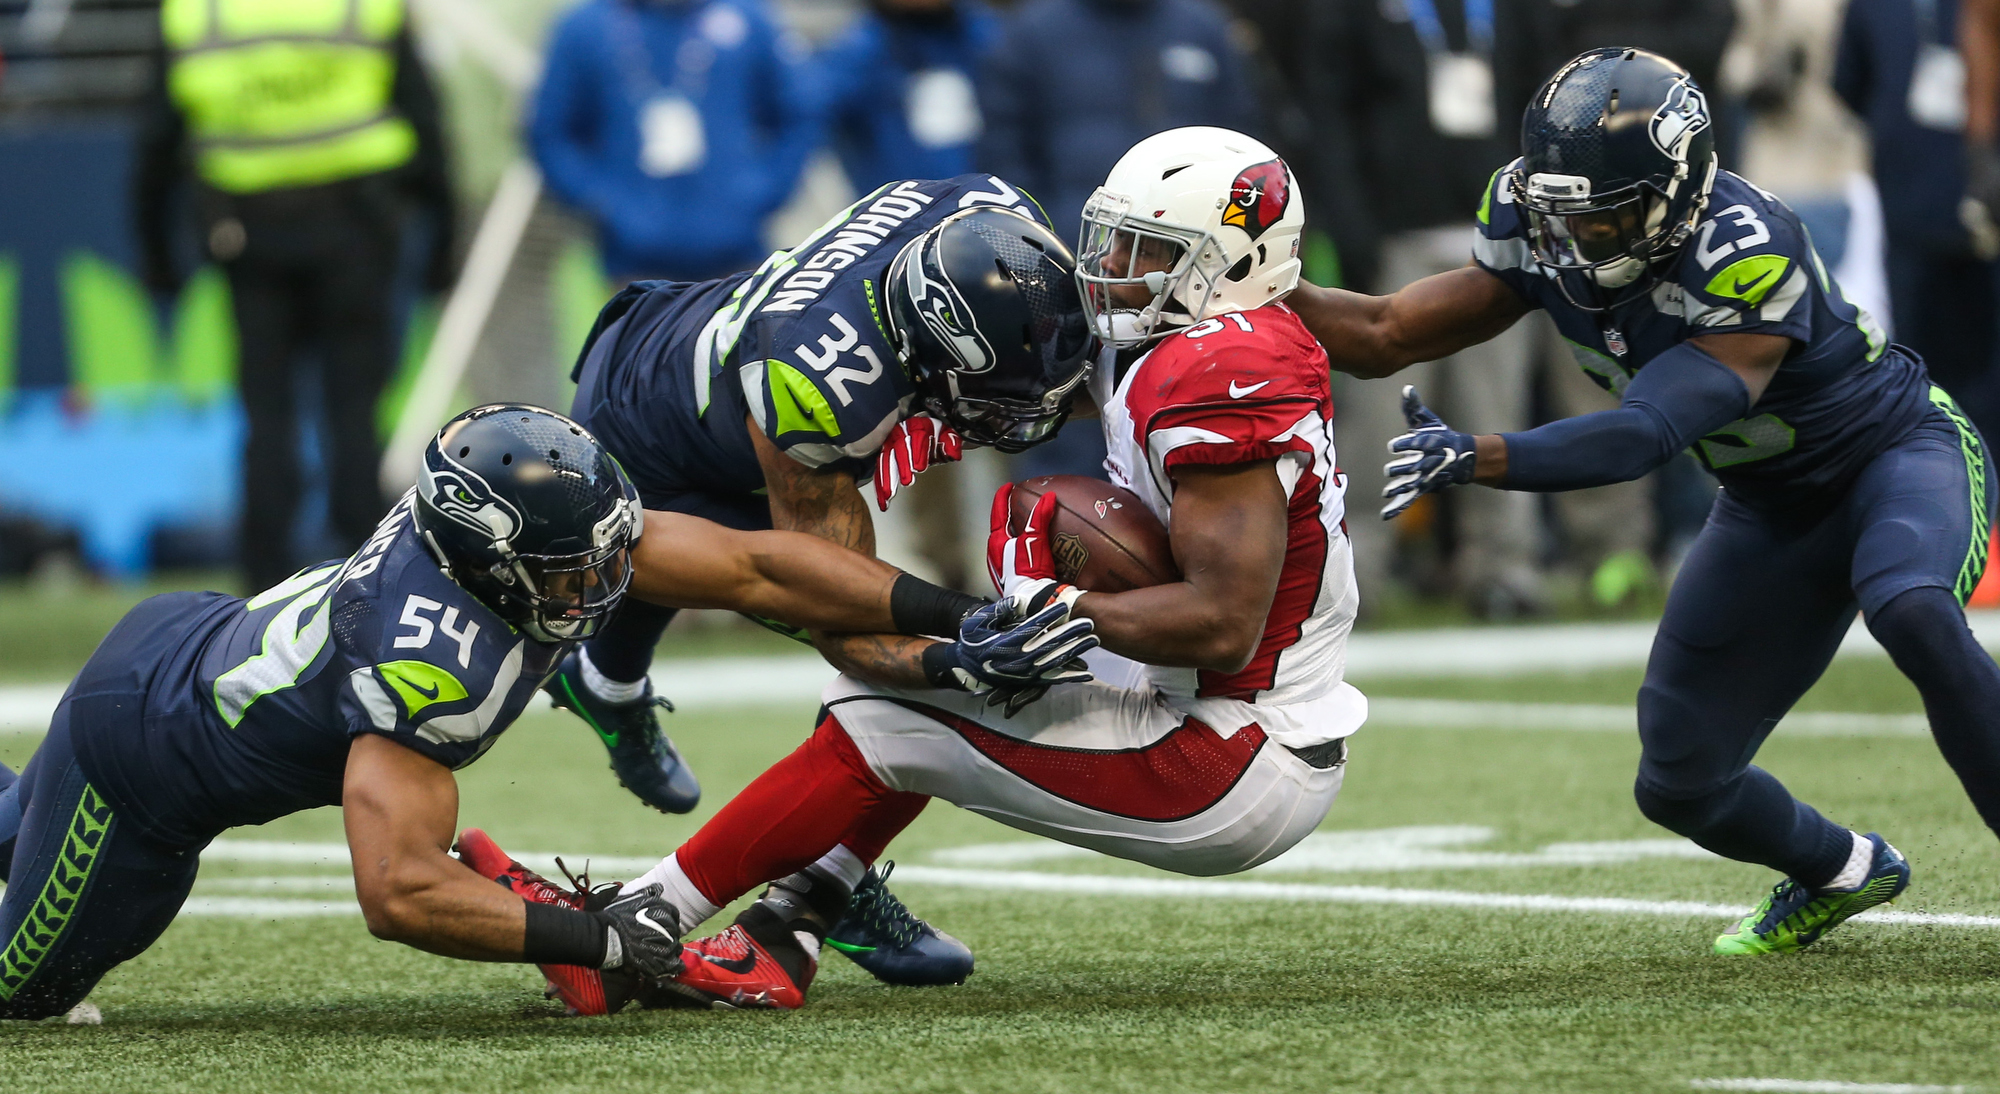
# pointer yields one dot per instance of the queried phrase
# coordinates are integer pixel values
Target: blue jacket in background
(1920, 171)
(867, 80)
(1074, 83)
(607, 60)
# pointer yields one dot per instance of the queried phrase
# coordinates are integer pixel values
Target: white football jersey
(1251, 386)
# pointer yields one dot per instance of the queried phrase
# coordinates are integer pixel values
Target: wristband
(940, 667)
(563, 936)
(918, 607)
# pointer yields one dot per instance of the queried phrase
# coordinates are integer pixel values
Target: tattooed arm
(828, 504)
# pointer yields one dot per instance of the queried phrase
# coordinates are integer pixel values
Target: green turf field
(1132, 991)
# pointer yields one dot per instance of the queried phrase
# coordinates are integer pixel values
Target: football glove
(1430, 457)
(1011, 659)
(644, 934)
(1023, 566)
(913, 446)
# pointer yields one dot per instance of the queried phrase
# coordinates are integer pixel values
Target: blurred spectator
(1415, 103)
(1979, 36)
(899, 89)
(302, 186)
(1694, 33)
(1898, 68)
(1072, 85)
(675, 127)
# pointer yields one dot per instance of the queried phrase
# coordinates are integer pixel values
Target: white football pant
(1112, 768)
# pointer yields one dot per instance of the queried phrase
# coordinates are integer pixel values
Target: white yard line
(1824, 1086)
(1019, 881)
(715, 683)
(1606, 718)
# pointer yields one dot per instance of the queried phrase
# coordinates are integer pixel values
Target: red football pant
(821, 795)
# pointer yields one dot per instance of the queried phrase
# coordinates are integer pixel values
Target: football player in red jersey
(1213, 737)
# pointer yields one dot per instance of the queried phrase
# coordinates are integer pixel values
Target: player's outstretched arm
(1228, 538)
(1373, 336)
(803, 580)
(401, 811)
(400, 808)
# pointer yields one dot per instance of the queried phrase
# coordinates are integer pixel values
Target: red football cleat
(755, 963)
(583, 991)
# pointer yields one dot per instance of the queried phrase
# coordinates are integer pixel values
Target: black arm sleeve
(918, 607)
(156, 175)
(1676, 398)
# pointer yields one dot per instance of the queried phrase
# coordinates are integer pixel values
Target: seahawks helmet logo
(945, 312)
(468, 500)
(1681, 115)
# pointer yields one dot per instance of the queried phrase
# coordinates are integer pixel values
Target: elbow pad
(1676, 398)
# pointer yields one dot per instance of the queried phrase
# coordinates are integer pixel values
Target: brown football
(1105, 538)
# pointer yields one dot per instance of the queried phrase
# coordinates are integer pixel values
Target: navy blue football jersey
(801, 346)
(250, 704)
(1840, 397)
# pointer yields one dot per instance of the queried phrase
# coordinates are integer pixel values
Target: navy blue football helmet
(986, 317)
(531, 515)
(1618, 158)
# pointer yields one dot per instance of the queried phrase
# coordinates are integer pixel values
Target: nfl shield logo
(1614, 340)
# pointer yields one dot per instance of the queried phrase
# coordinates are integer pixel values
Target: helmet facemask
(562, 598)
(1122, 259)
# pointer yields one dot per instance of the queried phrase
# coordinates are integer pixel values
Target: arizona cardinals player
(1214, 735)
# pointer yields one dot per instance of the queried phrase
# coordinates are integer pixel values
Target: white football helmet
(1200, 220)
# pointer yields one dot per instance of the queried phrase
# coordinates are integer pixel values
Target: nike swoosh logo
(1236, 392)
(849, 947)
(642, 916)
(741, 966)
(1742, 288)
(428, 693)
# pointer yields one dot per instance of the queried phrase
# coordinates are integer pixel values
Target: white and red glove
(913, 446)
(1023, 564)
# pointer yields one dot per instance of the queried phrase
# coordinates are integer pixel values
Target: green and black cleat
(1794, 917)
(642, 755)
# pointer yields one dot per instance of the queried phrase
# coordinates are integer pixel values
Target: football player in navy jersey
(365, 682)
(1849, 480)
(926, 315)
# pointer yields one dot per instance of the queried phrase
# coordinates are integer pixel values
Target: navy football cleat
(644, 759)
(879, 934)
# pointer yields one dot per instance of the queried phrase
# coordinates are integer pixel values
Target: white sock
(693, 908)
(1859, 860)
(842, 865)
(607, 689)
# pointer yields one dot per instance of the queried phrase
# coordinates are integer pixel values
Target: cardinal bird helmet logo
(1258, 198)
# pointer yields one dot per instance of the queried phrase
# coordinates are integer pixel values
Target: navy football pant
(1758, 610)
(85, 892)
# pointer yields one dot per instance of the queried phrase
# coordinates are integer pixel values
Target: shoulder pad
(1747, 260)
(1234, 360)
(1502, 239)
(834, 392)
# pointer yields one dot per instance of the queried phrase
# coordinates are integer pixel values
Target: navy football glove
(1012, 662)
(1431, 456)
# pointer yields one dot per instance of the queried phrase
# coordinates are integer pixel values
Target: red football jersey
(1242, 387)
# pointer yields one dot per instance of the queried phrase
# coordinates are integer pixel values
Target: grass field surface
(1310, 983)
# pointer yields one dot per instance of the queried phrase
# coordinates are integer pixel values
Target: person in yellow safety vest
(306, 131)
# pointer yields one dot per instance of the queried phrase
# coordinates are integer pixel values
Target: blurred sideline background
(121, 431)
